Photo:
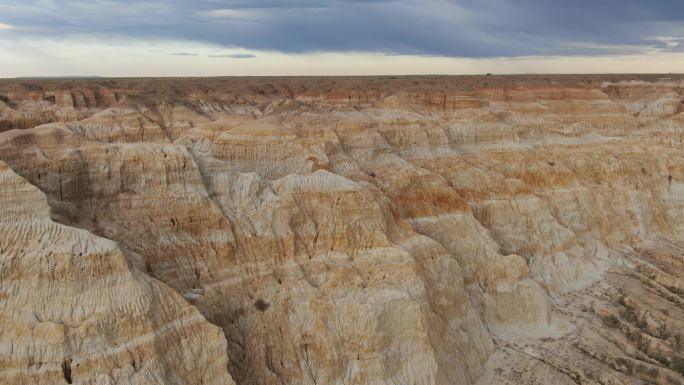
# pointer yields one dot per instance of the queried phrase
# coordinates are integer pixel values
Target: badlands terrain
(343, 231)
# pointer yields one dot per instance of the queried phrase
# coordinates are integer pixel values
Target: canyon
(400, 230)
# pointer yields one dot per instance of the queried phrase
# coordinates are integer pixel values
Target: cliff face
(500, 230)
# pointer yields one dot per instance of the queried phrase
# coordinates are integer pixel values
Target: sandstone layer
(403, 230)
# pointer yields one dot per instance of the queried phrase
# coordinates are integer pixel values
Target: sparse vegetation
(611, 321)
(261, 305)
(677, 365)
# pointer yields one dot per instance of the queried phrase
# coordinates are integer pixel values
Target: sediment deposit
(353, 231)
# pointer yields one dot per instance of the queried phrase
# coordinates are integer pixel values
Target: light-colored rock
(500, 230)
(73, 310)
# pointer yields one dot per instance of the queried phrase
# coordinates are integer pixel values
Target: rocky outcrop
(74, 311)
(343, 231)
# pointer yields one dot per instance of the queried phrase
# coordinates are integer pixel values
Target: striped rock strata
(493, 230)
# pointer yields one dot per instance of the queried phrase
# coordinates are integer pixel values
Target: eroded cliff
(500, 230)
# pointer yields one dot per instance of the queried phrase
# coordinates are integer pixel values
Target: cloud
(233, 14)
(183, 54)
(77, 56)
(6, 27)
(669, 41)
(452, 28)
(235, 56)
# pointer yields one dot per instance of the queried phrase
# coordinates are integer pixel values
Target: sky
(338, 37)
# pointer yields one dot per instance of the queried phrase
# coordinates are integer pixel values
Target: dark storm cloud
(464, 28)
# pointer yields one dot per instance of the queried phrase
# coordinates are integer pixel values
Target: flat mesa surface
(395, 230)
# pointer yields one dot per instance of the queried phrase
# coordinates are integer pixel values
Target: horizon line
(97, 77)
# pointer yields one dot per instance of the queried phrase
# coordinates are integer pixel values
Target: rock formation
(404, 231)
